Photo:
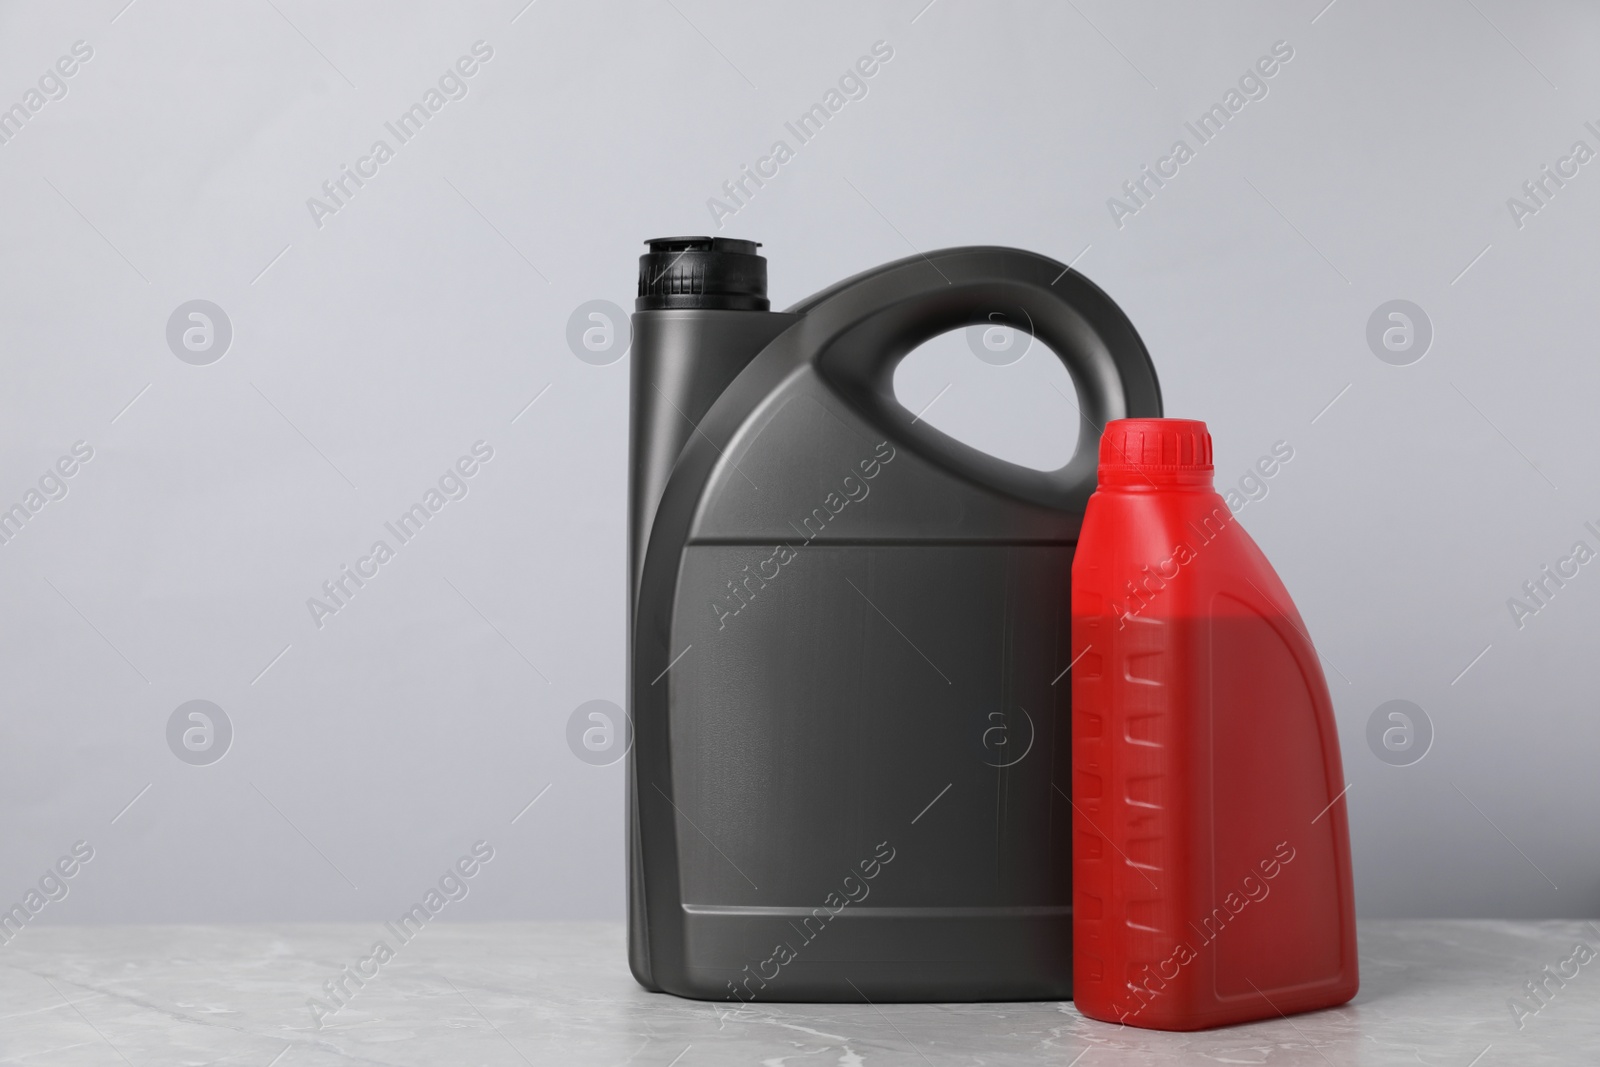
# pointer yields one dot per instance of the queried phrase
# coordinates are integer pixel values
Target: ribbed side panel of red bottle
(1126, 790)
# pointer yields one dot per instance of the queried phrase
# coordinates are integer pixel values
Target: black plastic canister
(849, 635)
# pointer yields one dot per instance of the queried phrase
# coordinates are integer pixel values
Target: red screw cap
(1155, 445)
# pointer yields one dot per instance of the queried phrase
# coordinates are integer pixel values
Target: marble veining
(1433, 993)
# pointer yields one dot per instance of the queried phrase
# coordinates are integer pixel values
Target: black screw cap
(702, 272)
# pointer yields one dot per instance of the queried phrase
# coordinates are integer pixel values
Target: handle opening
(997, 388)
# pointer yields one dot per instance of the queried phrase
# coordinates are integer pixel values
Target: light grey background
(372, 351)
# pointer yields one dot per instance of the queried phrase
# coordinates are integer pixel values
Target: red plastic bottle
(1211, 857)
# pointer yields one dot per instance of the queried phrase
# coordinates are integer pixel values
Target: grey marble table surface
(1432, 993)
